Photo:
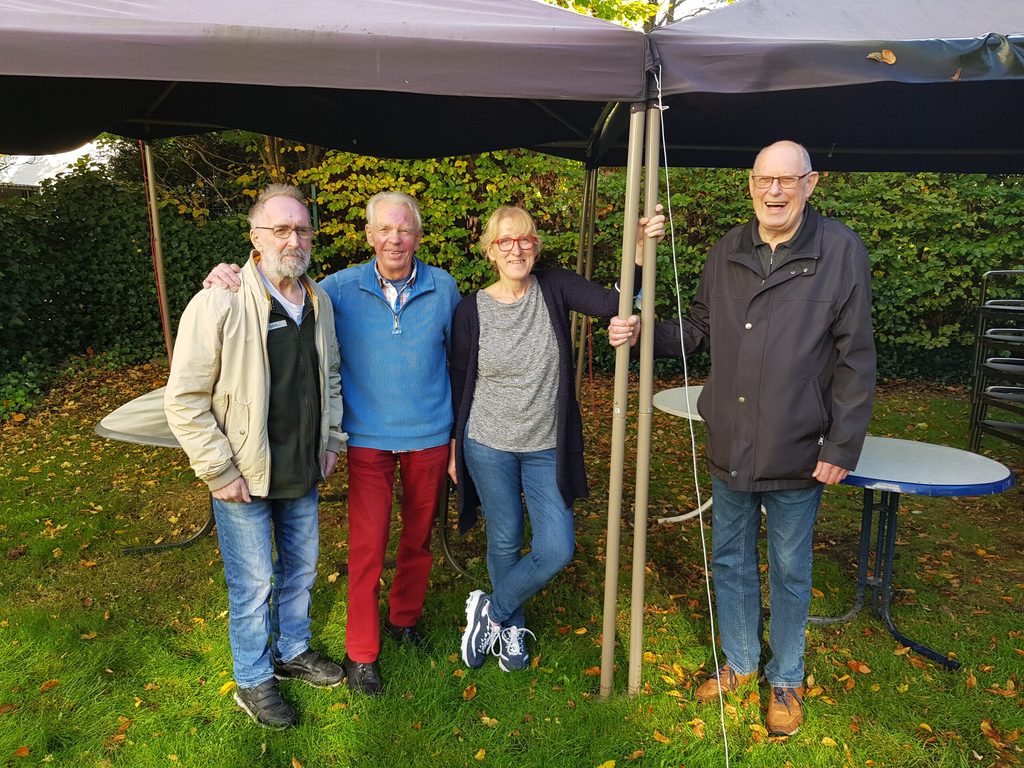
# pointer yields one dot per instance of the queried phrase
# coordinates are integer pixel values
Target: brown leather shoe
(785, 711)
(724, 677)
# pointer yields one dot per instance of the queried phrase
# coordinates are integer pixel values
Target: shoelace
(726, 672)
(488, 638)
(782, 696)
(512, 638)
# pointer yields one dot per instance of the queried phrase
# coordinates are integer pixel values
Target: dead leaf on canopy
(885, 56)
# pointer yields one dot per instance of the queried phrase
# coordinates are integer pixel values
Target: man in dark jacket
(784, 306)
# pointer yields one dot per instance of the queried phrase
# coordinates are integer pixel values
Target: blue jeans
(501, 478)
(789, 522)
(268, 598)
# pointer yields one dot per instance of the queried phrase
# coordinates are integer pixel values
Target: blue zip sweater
(394, 366)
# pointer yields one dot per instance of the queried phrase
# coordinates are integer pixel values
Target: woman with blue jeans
(518, 433)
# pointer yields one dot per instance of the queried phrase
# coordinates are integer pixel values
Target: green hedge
(78, 278)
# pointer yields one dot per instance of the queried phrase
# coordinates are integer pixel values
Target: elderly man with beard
(254, 398)
(393, 318)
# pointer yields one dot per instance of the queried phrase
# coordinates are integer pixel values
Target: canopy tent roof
(740, 77)
(398, 78)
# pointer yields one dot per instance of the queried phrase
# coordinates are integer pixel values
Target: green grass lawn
(115, 660)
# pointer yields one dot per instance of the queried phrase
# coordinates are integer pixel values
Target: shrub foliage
(78, 278)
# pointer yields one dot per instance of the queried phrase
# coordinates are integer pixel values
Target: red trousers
(371, 477)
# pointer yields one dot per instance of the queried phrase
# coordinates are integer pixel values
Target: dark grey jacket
(792, 356)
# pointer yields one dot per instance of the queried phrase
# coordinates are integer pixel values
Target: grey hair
(804, 154)
(398, 198)
(271, 191)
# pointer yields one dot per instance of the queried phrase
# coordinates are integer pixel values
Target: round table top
(139, 421)
(889, 463)
(926, 469)
(679, 401)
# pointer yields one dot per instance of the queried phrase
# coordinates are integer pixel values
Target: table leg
(881, 579)
(862, 567)
(196, 537)
(884, 557)
(687, 515)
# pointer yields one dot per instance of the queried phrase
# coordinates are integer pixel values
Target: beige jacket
(217, 396)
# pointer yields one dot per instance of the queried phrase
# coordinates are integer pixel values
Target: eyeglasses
(284, 232)
(786, 182)
(526, 243)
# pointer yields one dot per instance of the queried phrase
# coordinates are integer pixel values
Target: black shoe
(265, 706)
(310, 667)
(409, 635)
(363, 677)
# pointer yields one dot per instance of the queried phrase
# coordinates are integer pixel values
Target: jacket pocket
(236, 424)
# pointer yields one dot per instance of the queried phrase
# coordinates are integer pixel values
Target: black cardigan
(562, 291)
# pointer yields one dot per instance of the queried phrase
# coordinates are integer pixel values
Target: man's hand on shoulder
(224, 276)
(236, 490)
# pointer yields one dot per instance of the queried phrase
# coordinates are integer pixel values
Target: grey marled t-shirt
(517, 375)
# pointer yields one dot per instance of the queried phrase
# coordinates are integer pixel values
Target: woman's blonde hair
(520, 218)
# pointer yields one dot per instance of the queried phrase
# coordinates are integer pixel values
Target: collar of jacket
(807, 246)
(251, 275)
(424, 279)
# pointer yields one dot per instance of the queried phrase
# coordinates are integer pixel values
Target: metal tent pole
(585, 266)
(644, 408)
(158, 252)
(611, 567)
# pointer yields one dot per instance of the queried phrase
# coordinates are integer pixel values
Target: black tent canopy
(392, 78)
(747, 74)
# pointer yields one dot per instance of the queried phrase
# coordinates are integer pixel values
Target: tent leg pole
(585, 255)
(644, 409)
(611, 566)
(158, 251)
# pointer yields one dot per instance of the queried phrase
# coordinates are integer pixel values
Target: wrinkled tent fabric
(392, 78)
(740, 77)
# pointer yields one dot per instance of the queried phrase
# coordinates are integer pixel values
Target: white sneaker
(512, 654)
(481, 635)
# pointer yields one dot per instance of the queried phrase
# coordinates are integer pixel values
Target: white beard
(291, 264)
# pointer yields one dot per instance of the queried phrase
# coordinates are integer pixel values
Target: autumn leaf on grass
(971, 681)
(6, 709)
(991, 733)
(697, 725)
(901, 650)
(21, 751)
(858, 666)
(490, 722)
(661, 737)
(470, 692)
(828, 741)
(48, 685)
(592, 672)
(607, 764)
(228, 687)
(480, 755)
(296, 763)
(115, 741)
(816, 593)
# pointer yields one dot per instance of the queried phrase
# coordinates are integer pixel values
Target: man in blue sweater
(393, 318)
